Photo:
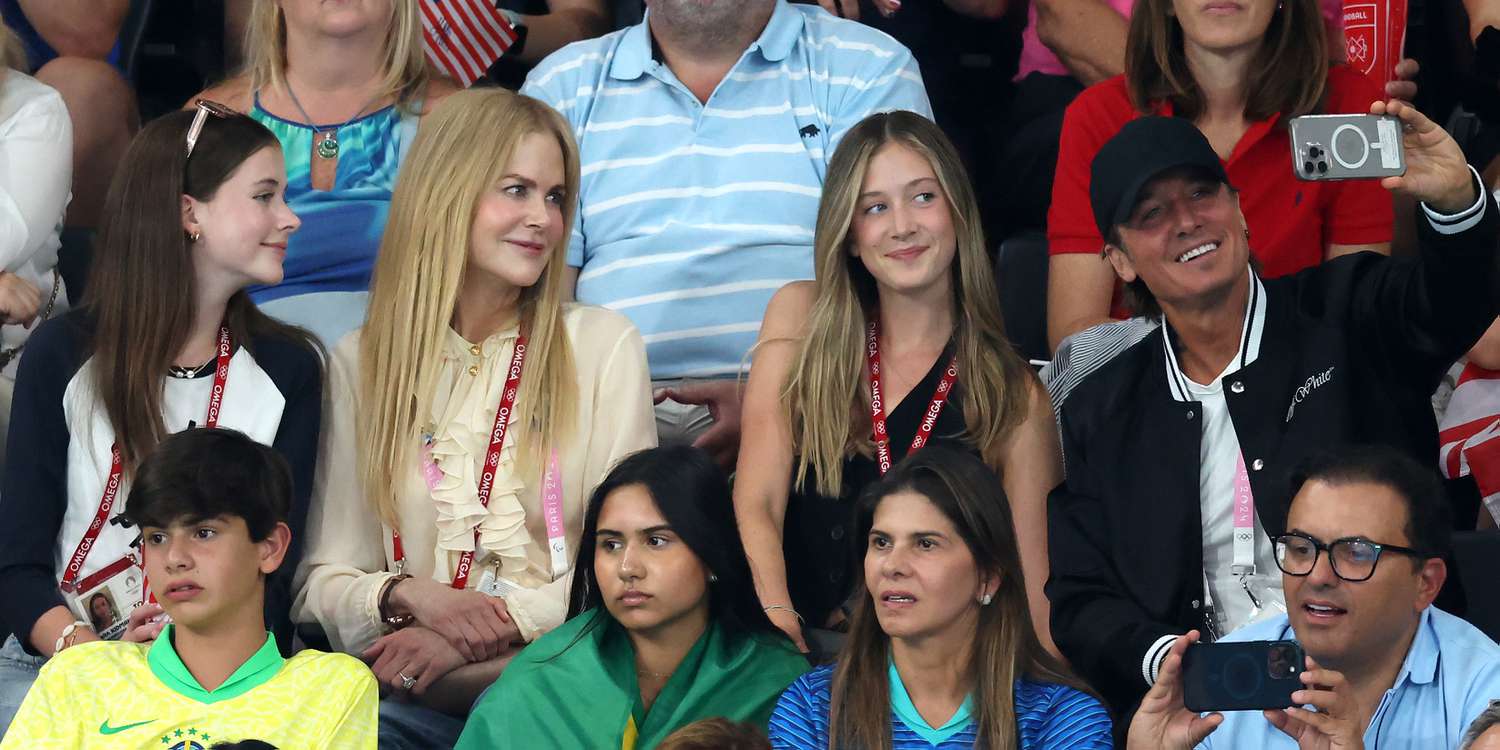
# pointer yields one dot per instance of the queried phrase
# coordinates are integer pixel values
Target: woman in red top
(1239, 69)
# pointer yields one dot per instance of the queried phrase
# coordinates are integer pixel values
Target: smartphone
(1346, 147)
(1241, 676)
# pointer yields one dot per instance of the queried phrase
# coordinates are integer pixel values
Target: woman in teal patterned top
(343, 87)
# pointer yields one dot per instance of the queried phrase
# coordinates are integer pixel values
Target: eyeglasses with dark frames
(1353, 558)
(205, 108)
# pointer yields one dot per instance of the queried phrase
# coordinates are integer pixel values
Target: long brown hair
(1288, 75)
(141, 293)
(1005, 646)
(462, 150)
(827, 394)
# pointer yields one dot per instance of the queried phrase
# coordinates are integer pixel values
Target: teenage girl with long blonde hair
(899, 333)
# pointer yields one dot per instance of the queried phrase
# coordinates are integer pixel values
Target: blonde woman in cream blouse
(472, 259)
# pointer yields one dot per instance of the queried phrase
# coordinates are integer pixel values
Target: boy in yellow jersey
(212, 508)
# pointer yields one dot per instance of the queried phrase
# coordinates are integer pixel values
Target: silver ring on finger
(406, 682)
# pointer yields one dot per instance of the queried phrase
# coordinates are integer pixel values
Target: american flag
(463, 38)
(1469, 433)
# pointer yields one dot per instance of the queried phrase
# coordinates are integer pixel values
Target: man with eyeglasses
(1361, 561)
(1179, 450)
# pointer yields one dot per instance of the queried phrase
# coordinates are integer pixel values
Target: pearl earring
(985, 600)
(194, 236)
(713, 578)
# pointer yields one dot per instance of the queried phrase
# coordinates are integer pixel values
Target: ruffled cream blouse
(349, 552)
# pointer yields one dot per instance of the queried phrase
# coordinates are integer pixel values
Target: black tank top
(822, 557)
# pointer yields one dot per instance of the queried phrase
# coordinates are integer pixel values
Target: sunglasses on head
(205, 108)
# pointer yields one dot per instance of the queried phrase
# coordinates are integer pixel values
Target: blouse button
(1237, 387)
(837, 533)
(474, 370)
(474, 349)
(1190, 414)
(1257, 465)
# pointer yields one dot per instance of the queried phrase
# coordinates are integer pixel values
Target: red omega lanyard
(491, 460)
(116, 469)
(877, 405)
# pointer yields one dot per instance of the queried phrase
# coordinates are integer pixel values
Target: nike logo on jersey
(105, 728)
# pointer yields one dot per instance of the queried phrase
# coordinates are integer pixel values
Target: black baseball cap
(1143, 149)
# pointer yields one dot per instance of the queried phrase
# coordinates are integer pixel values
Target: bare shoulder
(788, 310)
(234, 92)
(438, 89)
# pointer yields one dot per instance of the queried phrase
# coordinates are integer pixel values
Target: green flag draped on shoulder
(576, 687)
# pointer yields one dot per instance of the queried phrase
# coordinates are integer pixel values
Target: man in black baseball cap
(1179, 449)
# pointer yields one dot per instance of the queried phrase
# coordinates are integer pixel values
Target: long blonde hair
(403, 64)
(827, 396)
(462, 150)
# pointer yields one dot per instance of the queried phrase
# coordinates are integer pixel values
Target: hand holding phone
(1346, 147)
(1161, 722)
(1241, 676)
(1335, 724)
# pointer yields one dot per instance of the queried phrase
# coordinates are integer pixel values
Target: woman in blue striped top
(941, 651)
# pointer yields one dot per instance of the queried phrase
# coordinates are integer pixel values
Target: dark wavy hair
(692, 494)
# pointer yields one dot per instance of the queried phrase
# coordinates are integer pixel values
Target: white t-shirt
(36, 172)
(1217, 463)
(1220, 451)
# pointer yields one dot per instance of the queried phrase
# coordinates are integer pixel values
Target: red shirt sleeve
(1093, 118)
(1355, 212)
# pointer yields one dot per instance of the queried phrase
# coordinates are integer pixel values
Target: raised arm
(1421, 314)
(763, 478)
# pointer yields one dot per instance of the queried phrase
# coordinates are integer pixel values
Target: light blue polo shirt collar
(633, 57)
(1421, 663)
(907, 712)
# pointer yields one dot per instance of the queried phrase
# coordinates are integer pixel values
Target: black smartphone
(1241, 676)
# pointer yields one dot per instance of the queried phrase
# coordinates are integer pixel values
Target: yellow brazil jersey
(130, 696)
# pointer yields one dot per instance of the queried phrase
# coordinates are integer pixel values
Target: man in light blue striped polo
(705, 134)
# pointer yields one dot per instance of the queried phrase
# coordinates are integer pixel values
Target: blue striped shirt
(691, 215)
(1048, 716)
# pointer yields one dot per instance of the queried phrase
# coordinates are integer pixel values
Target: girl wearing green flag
(664, 625)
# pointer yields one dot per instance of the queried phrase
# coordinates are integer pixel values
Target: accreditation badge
(105, 599)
